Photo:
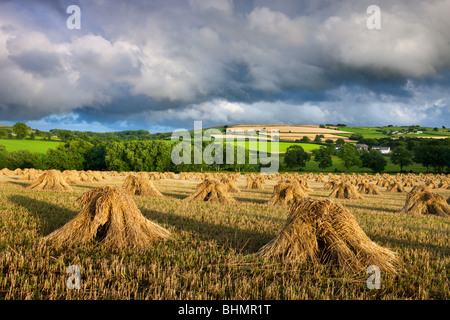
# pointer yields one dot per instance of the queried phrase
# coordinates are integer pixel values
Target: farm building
(384, 150)
(363, 147)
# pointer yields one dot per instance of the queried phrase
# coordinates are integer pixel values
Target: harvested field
(211, 253)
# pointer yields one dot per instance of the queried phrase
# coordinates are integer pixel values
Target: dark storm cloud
(44, 64)
(168, 63)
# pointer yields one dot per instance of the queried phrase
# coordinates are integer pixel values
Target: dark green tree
(95, 157)
(340, 142)
(295, 156)
(68, 156)
(145, 155)
(317, 139)
(305, 139)
(323, 157)
(401, 156)
(235, 166)
(373, 160)
(349, 155)
(64, 135)
(4, 155)
(24, 159)
(356, 137)
(434, 154)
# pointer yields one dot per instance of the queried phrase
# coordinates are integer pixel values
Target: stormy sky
(161, 65)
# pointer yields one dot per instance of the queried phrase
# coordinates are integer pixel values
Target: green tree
(235, 166)
(356, 137)
(370, 142)
(305, 139)
(373, 160)
(145, 155)
(95, 157)
(295, 156)
(401, 156)
(317, 139)
(3, 157)
(340, 142)
(64, 135)
(424, 155)
(24, 159)
(21, 130)
(323, 157)
(116, 156)
(69, 156)
(332, 149)
(349, 155)
(433, 155)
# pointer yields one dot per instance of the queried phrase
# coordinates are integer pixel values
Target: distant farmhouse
(406, 132)
(362, 146)
(384, 150)
(365, 147)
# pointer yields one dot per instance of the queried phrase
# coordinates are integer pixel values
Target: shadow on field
(83, 186)
(51, 216)
(245, 241)
(409, 244)
(175, 195)
(22, 184)
(249, 199)
(369, 208)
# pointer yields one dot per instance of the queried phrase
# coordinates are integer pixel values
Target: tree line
(92, 152)
(434, 154)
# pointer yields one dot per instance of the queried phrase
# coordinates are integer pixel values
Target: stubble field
(210, 254)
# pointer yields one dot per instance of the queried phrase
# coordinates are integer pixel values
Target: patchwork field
(210, 254)
(286, 128)
(293, 132)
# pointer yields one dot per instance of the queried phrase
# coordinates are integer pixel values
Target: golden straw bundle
(321, 231)
(109, 216)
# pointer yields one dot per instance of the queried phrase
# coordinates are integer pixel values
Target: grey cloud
(282, 60)
(44, 64)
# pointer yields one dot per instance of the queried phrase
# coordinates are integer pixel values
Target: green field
(377, 132)
(282, 146)
(266, 147)
(367, 132)
(37, 146)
